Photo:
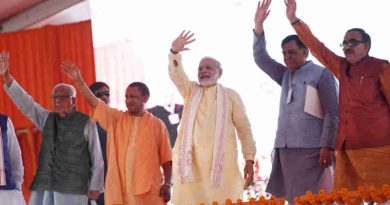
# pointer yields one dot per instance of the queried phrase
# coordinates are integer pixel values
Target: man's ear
(74, 101)
(306, 52)
(145, 98)
(220, 72)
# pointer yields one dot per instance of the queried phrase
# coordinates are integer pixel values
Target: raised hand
(262, 13)
(68, 68)
(4, 63)
(291, 8)
(180, 43)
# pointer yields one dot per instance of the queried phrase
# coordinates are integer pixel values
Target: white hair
(71, 88)
(213, 59)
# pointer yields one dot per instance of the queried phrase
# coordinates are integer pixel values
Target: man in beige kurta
(138, 146)
(201, 182)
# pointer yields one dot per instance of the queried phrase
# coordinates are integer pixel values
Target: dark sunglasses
(351, 43)
(100, 94)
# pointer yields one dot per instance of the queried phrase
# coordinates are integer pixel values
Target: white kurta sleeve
(15, 155)
(26, 104)
(97, 169)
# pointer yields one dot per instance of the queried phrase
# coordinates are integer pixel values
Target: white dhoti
(56, 198)
(12, 197)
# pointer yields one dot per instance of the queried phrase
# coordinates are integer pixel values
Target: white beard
(207, 82)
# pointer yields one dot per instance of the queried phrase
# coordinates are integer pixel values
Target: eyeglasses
(351, 43)
(61, 97)
(100, 94)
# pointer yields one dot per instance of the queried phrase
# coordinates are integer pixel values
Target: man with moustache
(363, 140)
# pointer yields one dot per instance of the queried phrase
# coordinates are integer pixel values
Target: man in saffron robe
(205, 156)
(137, 146)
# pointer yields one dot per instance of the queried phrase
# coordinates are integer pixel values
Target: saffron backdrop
(35, 58)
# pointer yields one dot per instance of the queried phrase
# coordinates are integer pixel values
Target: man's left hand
(325, 157)
(248, 173)
(165, 192)
(93, 195)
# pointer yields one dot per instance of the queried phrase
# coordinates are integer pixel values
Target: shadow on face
(294, 57)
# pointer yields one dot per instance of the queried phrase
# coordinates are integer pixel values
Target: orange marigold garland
(345, 196)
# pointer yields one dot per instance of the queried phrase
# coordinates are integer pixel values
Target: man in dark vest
(11, 165)
(70, 166)
(102, 91)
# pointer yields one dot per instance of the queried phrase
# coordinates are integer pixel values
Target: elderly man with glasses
(70, 166)
(363, 140)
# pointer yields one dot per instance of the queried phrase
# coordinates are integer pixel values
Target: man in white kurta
(205, 168)
(10, 195)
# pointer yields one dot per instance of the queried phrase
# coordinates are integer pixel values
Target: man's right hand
(5, 68)
(291, 8)
(262, 13)
(179, 44)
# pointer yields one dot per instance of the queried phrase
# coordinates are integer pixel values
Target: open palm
(262, 11)
(185, 38)
(71, 71)
(291, 8)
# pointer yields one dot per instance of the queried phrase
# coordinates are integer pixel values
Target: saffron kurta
(136, 149)
(203, 134)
